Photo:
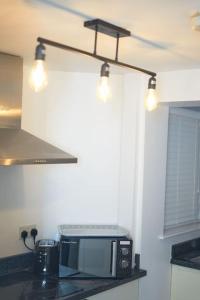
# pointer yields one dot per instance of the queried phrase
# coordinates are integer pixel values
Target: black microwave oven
(95, 252)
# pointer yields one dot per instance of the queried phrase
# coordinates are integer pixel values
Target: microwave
(94, 251)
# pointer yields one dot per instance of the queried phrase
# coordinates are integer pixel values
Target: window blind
(182, 176)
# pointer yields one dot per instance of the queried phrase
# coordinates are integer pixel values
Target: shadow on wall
(57, 5)
(24, 186)
(27, 196)
(11, 187)
(159, 45)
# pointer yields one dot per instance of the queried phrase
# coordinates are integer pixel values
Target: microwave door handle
(70, 242)
(114, 258)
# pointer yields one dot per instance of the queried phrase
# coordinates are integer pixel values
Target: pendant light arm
(99, 57)
(117, 47)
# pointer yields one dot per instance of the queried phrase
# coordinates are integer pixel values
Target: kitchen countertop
(187, 254)
(25, 285)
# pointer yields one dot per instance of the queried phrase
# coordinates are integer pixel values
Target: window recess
(182, 205)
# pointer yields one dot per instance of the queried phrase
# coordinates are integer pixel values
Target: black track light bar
(99, 57)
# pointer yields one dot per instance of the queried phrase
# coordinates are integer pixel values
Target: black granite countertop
(25, 285)
(187, 254)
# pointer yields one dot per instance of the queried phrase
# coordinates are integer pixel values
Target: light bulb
(104, 92)
(38, 78)
(151, 101)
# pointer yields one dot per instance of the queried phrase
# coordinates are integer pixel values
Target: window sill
(180, 231)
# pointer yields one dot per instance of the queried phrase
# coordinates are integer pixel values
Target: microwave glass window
(95, 256)
(69, 257)
(86, 256)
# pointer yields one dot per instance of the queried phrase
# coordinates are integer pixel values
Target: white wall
(68, 115)
(132, 101)
(179, 86)
(156, 253)
(144, 149)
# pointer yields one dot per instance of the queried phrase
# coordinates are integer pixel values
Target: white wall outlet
(27, 228)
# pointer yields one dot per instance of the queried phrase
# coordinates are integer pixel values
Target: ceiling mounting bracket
(107, 28)
(99, 25)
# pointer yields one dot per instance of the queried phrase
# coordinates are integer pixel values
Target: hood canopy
(18, 146)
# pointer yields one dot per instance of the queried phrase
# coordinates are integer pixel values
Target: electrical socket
(26, 228)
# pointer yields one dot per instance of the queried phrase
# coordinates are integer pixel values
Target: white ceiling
(162, 38)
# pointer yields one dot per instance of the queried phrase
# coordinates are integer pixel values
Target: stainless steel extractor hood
(17, 146)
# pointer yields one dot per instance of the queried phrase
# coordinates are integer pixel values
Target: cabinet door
(185, 283)
(128, 291)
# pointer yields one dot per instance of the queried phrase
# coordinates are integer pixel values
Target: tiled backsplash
(16, 263)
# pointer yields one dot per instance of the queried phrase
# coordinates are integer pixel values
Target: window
(182, 210)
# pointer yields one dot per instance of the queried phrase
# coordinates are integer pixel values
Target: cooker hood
(17, 146)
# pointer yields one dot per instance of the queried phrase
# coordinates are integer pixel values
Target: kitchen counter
(187, 254)
(25, 285)
(185, 270)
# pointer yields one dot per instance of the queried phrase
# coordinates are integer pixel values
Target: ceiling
(161, 40)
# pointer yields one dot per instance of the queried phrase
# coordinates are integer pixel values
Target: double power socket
(27, 228)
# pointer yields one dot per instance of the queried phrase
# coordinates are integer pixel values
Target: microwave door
(96, 257)
(69, 252)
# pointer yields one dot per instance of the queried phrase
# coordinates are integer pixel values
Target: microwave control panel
(124, 258)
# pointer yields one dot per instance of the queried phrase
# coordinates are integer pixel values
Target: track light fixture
(39, 76)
